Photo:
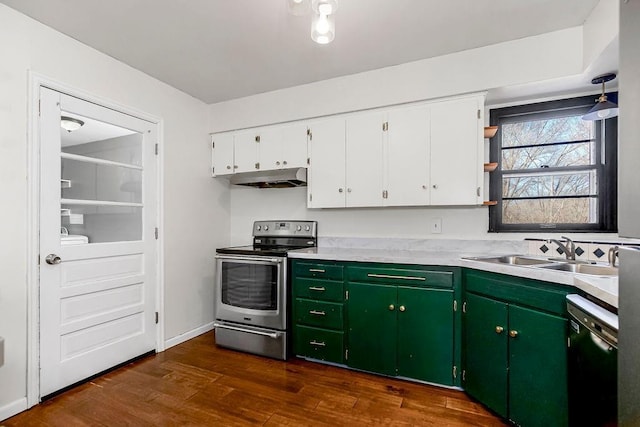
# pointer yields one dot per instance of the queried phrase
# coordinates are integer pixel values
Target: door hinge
(346, 354)
(156, 232)
(38, 259)
(257, 138)
(464, 307)
(385, 126)
(258, 165)
(156, 149)
(346, 295)
(455, 372)
(39, 107)
(308, 160)
(478, 191)
(310, 197)
(213, 144)
(479, 114)
(464, 375)
(385, 194)
(455, 305)
(213, 171)
(568, 338)
(310, 134)
(157, 317)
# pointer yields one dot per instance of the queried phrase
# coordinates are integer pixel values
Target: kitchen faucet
(568, 247)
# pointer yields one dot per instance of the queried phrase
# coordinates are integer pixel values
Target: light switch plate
(436, 226)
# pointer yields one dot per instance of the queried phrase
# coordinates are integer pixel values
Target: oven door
(251, 290)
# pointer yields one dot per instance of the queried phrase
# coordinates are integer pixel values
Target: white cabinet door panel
(245, 151)
(407, 152)
(364, 168)
(270, 148)
(455, 135)
(294, 141)
(222, 154)
(327, 169)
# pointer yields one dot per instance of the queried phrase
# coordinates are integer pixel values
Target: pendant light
(70, 124)
(323, 24)
(604, 109)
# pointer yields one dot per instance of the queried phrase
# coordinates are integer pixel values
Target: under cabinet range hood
(278, 178)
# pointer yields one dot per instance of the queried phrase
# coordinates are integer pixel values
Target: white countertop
(603, 288)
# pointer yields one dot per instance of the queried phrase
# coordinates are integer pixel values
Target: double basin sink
(551, 264)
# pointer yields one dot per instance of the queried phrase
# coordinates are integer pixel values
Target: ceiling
(217, 50)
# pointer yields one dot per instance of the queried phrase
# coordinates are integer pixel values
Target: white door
(408, 140)
(270, 148)
(364, 164)
(98, 252)
(222, 152)
(455, 166)
(294, 142)
(245, 151)
(327, 169)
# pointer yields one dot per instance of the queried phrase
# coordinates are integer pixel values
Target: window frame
(607, 180)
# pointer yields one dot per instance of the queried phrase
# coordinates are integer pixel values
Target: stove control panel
(286, 228)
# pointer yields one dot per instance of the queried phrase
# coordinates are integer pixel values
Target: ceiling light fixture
(70, 124)
(323, 24)
(604, 109)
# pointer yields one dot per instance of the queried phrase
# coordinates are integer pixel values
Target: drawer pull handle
(388, 276)
(316, 343)
(316, 270)
(317, 288)
(317, 313)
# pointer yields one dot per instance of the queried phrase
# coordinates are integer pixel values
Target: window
(555, 170)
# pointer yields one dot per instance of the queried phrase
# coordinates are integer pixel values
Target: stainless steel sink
(513, 260)
(595, 270)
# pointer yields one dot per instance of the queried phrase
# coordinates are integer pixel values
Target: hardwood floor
(197, 383)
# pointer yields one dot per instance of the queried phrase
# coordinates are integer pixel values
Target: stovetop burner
(276, 238)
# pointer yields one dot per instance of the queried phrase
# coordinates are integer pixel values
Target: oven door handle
(248, 258)
(273, 335)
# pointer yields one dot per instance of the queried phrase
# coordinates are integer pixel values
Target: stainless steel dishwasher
(593, 363)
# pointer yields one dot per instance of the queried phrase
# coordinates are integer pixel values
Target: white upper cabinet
(245, 151)
(269, 148)
(294, 146)
(364, 160)
(456, 144)
(327, 169)
(407, 154)
(222, 154)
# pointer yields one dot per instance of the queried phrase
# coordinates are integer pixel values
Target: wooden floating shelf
(490, 131)
(490, 167)
(490, 203)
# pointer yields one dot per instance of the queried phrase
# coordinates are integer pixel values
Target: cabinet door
(246, 152)
(372, 324)
(294, 146)
(327, 170)
(537, 368)
(425, 334)
(485, 349)
(364, 160)
(222, 154)
(455, 141)
(270, 148)
(407, 153)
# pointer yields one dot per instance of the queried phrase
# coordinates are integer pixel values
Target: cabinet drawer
(315, 270)
(319, 344)
(327, 315)
(324, 290)
(400, 276)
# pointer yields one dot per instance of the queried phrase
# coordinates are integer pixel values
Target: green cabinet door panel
(372, 334)
(537, 368)
(425, 334)
(322, 314)
(485, 349)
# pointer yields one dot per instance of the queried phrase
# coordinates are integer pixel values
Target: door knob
(499, 329)
(53, 259)
(402, 308)
(392, 307)
(513, 333)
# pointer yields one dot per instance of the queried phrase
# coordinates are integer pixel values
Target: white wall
(196, 208)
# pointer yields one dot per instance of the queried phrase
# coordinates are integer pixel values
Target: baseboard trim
(188, 335)
(13, 408)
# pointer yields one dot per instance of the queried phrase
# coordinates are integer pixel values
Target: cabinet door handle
(499, 329)
(277, 163)
(317, 313)
(392, 307)
(389, 276)
(402, 308)
(317, 343)
(317, 288)
(340, 190)
(316, 270)
(284, 162)
(513, 333)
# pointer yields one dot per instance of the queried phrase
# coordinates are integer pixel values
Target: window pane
(577, 154)
(550, 211)
(561, 129)
(550, 185)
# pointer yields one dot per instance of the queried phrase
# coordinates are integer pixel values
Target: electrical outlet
(436, 226)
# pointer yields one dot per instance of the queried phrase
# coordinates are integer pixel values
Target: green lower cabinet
(425, 334)
(321, 344)
(372, 333)
(515, 361)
